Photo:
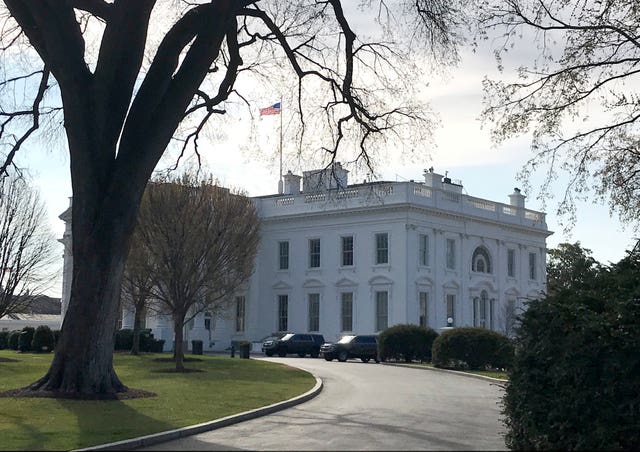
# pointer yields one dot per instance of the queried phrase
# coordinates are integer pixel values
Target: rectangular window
(532, 266)
(283, 255)
(483, 312)
(283, 312)
(347, 251)
(511, 263)
(240, 307)
(382, 248)
(314, 253)
(347, 311)
(451, 309)
(451, 254)
(314, 312)
(423, 249)
(424, 305)
(382, 310)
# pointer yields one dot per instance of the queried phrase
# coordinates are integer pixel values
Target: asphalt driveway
(368, 407)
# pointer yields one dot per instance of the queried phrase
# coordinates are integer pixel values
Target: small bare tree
(136, 287)
(201, 240)
(26, 246)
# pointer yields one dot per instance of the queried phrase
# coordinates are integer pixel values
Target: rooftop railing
(386, 194)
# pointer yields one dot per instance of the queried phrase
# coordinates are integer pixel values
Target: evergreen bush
(13, 340)
(25, 338)
(123, 340)
(43, 340)
(575, 383)
(4, 339)
(406, 342)
(472, 348)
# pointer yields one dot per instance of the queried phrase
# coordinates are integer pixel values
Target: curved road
(368, 407)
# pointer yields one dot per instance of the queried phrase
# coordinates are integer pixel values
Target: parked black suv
(360, 346)
(300, 343)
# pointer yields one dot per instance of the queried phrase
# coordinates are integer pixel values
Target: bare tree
(137, 285)
(578, 95)
(26, 246)
(130, 76)
(201, 241)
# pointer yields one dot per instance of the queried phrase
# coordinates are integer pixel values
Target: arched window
(481, 262)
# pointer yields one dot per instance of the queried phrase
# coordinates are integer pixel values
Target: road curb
(169, 435)
(435, 369)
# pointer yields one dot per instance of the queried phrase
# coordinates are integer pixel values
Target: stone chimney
(516, 199)
(432, 179)
(291, 183)
(325, 179)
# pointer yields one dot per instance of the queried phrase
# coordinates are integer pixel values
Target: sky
(462, 148)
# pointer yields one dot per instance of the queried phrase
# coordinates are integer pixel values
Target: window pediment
(380, 281)
(281, 285)
(311, 283)
(346, 282)
(424, 281)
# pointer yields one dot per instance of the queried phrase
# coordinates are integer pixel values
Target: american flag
(271, 110)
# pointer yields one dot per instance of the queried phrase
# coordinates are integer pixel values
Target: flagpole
(280, 184)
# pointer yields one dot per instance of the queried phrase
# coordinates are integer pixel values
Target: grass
(225, 386)
(487, 373)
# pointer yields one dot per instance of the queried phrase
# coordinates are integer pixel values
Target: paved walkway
(370, 407)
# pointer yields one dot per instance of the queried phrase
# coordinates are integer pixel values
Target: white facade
(337, 258)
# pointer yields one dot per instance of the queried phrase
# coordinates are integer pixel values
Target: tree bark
(135, 348)
(178, 327)
(83, 360)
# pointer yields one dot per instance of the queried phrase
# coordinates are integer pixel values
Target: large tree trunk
(83, 361)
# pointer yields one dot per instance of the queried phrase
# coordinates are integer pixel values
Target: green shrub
(43, 340)
(123, 339)
(574, 383)
(406, 342)
(4, 339)
(13, 340)
(472, 348)
(25, 338)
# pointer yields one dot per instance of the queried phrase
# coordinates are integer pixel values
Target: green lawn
(226, 386)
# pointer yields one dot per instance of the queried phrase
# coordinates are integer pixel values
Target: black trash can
(244, 348)
(196, 347)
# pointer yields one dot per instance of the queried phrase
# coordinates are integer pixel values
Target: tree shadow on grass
(107, 421)
(8, 360)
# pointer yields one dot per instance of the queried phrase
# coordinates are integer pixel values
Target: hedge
(406, 342)
(472, 348)
(13, 339)
(124, 341)
(4, 339)
(575, 383)
(25, 338)
(43, 340)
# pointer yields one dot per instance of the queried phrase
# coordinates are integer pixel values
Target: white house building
(339, 258)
